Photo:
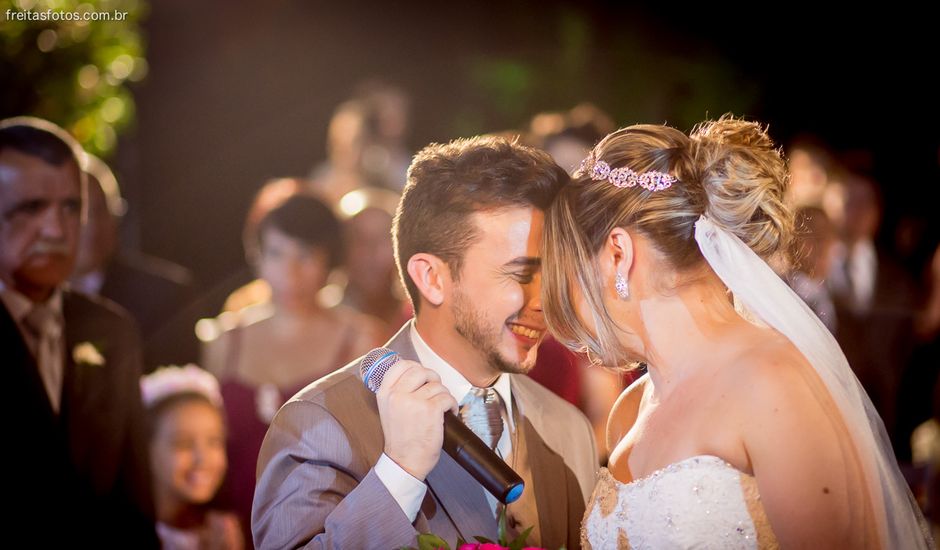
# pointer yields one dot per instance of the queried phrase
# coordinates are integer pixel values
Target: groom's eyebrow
(524, 261)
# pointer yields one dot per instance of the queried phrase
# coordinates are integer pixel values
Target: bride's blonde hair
(728, 169)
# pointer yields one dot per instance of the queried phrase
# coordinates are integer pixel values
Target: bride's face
(583, 310)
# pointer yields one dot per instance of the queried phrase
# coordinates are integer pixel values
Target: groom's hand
(412, 402)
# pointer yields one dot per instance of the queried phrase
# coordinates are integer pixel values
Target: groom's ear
(430, 274)
(620, 249)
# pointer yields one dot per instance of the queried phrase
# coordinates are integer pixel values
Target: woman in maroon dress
(267, 352)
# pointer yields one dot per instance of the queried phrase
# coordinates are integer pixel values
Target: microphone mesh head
(374, 366)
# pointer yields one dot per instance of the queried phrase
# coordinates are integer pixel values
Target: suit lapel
(84, 387)
(73, 380)
(74, 377)
(460, 497)
(26, 379)
(545, 466)
(401, 343)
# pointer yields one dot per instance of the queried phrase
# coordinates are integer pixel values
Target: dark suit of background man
(874, 300)
(75, 453)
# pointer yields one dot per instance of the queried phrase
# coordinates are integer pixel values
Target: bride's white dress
(700, 502)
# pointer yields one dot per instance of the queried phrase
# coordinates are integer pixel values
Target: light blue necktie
(481, 410)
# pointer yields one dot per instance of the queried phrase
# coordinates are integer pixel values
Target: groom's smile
(495, 299)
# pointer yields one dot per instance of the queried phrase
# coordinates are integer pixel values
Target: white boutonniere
(87, 354)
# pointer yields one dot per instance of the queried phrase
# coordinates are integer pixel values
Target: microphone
(460, 442)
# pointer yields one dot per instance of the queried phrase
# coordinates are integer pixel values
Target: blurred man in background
(76, 459)
(156, 292)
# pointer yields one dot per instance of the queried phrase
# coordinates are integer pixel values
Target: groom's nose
(534, 293)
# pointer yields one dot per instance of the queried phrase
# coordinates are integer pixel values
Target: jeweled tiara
(598, 170)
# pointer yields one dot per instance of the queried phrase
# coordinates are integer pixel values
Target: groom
(343, 468)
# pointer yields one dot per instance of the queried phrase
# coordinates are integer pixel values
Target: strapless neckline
(697, 502)
(693, 460)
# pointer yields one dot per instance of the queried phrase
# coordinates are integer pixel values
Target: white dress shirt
(408, 491)
(863, 269)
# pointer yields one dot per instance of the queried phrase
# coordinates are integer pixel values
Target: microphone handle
(480, 461)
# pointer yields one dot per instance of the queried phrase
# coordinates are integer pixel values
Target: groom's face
(495, 301)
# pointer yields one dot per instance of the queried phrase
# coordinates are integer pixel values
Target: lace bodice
(700, 502)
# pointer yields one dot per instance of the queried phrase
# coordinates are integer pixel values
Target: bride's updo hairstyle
(657, 181)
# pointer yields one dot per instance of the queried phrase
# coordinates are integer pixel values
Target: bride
(749, 429)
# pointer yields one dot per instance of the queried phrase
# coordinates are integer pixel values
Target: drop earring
(620, 284)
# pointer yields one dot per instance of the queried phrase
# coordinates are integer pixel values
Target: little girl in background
(187, 455)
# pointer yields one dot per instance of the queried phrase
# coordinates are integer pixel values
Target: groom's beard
(471, 323)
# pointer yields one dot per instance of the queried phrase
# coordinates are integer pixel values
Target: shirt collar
(19, 306)
(456, 383)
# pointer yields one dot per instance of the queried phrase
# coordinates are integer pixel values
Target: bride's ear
(619, 251)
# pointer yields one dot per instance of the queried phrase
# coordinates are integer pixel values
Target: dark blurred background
(238, 92)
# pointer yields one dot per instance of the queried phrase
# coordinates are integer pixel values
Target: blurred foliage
(634, 69)
(74, 72)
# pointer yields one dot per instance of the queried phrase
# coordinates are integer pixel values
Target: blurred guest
(809, 163)
(815, 239)
(924, 474)
(928, 320)
(271, 195)
(77, 461)
(347, 137)
(916, 402)
(372, 285)
(366, 142)
(913, 240)
(275, 349)
(850, 202)
(874, 297)
(569, 136)
(560, 370)
(385, 157)
(155, 291)
(187, 450)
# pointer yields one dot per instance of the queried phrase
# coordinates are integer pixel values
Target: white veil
(765, 296)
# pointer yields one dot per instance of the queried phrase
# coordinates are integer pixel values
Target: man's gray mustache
(49, 248)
